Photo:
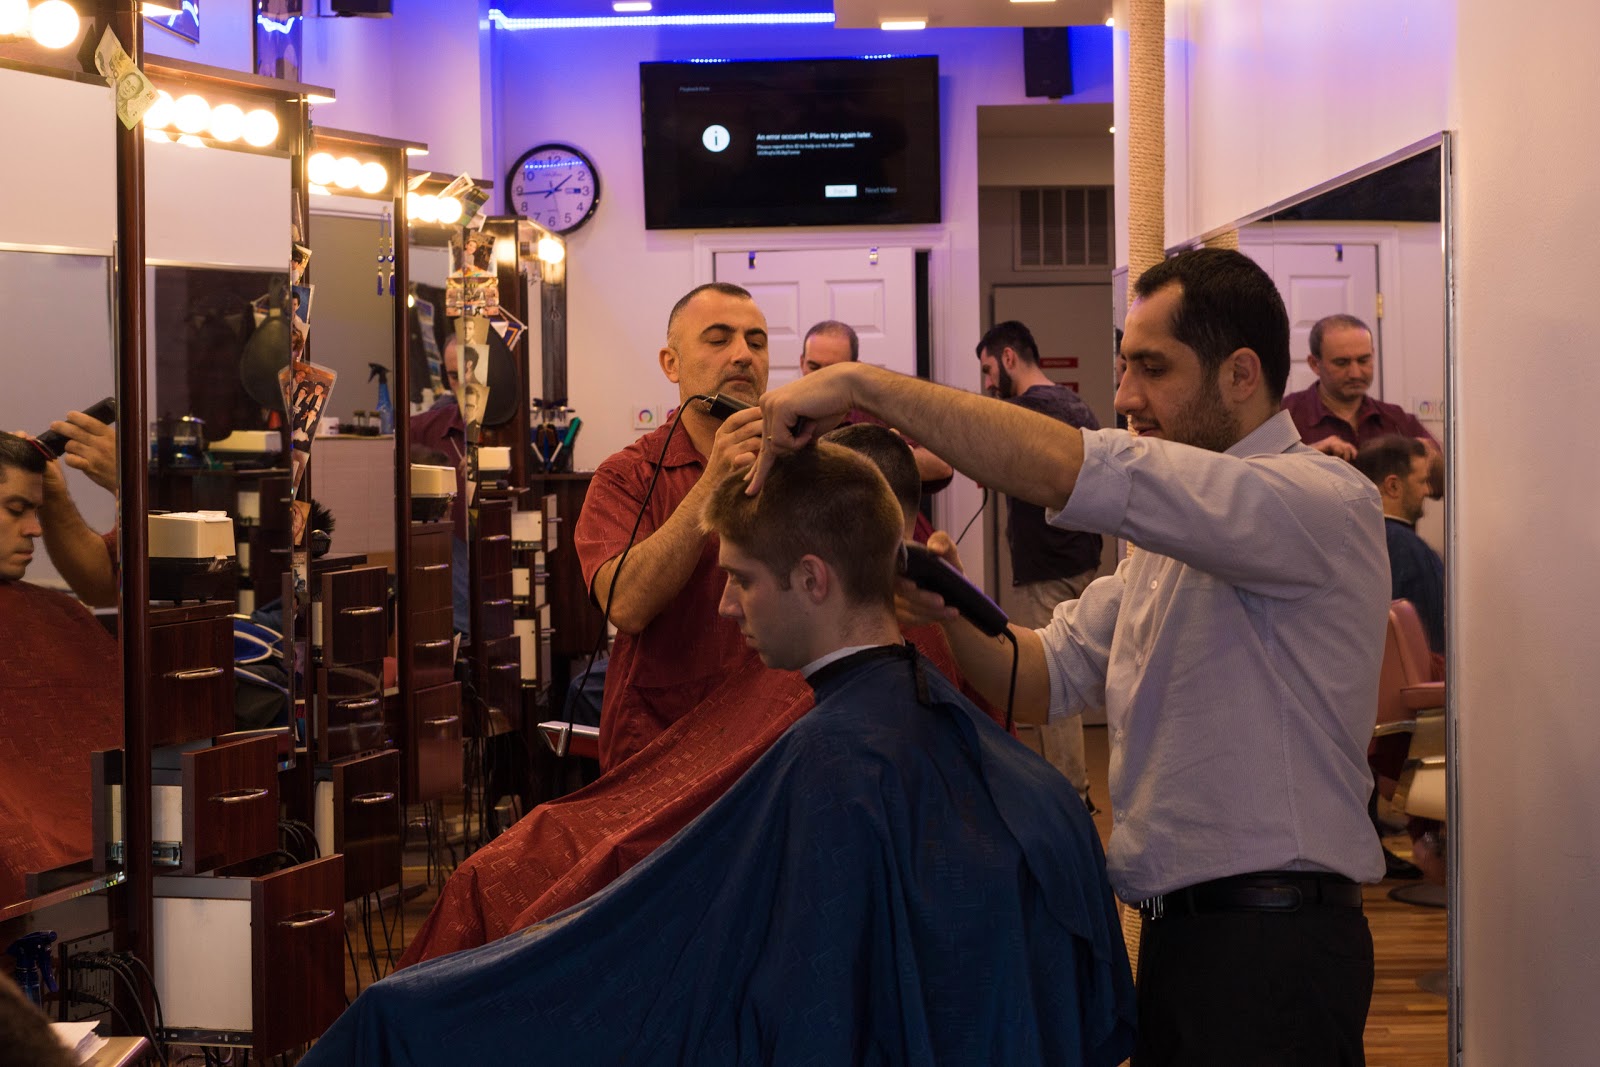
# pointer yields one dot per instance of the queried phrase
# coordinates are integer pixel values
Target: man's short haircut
(725, 288)
(822, 501)
(834, 328)
(1227, 302)
(889, 452)
(1013, 335)
(1390, 454)
(1341, 321)
(21, 453)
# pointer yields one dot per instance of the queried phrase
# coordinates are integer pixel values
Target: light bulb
(191, 113)
(347, 172)
(411, 300)
(411, 205)
(260, 128)
(190, 141)
(373, 178)
(227, 122)
(319, 168)
(551, 251)
(449, 210)
(159, 117)
(54, 24)
(13, 17)
(427, 208)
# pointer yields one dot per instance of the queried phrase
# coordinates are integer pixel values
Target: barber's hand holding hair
(736, 446)
(91, 448)
(1335, 446)
(802, 411)
(918, 607)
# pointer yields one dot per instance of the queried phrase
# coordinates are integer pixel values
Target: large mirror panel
(60, 666)
(1361, 263)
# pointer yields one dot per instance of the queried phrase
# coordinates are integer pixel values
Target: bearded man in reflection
(60, 687)
(896, 880)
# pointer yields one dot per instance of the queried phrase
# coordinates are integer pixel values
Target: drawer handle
(371, 609)
(369, 702)
(433, 567)
(506, 667)
(494, 537)
(439, 643)
(446, 721)
(305, 919)
(372, 798)
(196, 675)
(500, 603)
(239, 796)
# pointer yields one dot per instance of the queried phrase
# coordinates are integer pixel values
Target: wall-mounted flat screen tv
(812, 142)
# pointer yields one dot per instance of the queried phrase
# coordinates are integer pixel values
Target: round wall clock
(555, 185)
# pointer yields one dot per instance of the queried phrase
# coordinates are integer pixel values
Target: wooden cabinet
(495, 649)
(251, 958)
(350, 634)
(429, 716)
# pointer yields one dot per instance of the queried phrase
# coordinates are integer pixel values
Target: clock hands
(548, 193)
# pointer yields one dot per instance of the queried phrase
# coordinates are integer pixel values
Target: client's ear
(812, 577)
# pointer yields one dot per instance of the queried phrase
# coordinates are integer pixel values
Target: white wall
(1044, 161)
(1529, 738)
(1265, 98)
(1282, 96)
(581, 86)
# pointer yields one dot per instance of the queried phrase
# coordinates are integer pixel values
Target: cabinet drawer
(355, 626)
(350, 710)
(435, 752)
(358, 816)
(220, 805)
(258, 958)
(432, 649)
(496, 610)
(191, 681)
(494, 554)
(432, 553)
(500, 688)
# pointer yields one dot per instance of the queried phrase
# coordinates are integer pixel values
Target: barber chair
(1407, 753)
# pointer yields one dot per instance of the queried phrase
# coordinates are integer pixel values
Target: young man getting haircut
(895, 881)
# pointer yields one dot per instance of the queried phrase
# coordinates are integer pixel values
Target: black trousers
(1254, 989)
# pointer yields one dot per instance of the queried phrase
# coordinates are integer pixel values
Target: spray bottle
(385, 408)
(34, 974)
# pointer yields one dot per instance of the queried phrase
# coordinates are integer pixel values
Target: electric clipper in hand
(722, 405)
(927, 571)
(105, 411)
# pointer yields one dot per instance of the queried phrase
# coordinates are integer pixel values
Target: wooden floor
(1405, 1026)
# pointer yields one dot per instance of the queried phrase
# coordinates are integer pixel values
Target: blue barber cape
(896, 881)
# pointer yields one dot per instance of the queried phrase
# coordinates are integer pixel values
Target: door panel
(1317, 280)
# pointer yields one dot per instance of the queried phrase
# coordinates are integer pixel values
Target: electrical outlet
(95, 981)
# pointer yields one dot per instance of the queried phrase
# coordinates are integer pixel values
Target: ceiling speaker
(1047, 61)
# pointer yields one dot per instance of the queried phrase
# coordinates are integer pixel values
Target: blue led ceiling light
(502, 21)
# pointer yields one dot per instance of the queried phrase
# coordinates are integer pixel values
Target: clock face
(555, 185)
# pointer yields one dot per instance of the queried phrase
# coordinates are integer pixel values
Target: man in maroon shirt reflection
(1336, 416)
(672, 648)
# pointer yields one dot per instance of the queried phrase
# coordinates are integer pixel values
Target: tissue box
(493, 458)
(192, 556)
(433, 489)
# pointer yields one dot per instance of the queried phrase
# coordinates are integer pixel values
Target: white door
(872, 289)
(1317, 280)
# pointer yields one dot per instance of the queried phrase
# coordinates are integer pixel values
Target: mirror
(60, 670)
(1372, 245)
(219, 304)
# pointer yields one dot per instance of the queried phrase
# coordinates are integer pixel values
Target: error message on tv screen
(824, 142)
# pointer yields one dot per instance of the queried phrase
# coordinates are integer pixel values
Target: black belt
(1278, 891)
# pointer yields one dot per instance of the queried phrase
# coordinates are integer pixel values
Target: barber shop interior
(796, 531)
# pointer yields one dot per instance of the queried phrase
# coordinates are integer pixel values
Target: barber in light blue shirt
(1236, 653)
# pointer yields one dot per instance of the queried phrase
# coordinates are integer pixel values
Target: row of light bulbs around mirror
(52, 24)
(190, 116)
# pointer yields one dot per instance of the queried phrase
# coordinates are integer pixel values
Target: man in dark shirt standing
(1398, 466)
(1048, 566)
